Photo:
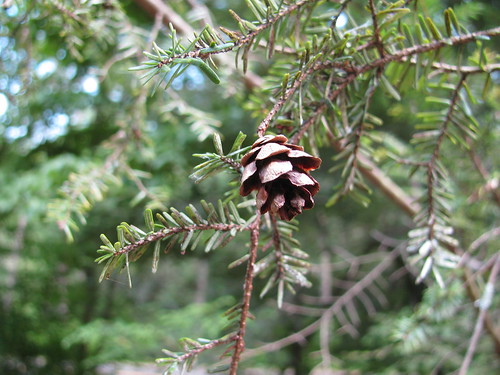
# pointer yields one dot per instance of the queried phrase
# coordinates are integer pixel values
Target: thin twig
(481, 168)
(239, 345)
(343, 6)
(474, 295)
(67, 12)
(376, 31)
(485, 237)
(458, 69)
(324, 340)
(320, 109)
(427, 47)
(483, 305)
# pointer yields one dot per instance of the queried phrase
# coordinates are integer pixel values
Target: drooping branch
(358, 133)
(432, 164)
(383, 182)
(334, 309)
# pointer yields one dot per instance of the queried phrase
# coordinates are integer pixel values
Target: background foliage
(408, 145)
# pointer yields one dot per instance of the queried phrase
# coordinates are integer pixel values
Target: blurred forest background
(84, 146)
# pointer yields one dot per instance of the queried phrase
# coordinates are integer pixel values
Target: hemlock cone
(279, 172)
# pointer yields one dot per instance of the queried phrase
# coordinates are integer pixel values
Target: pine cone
(279, 172)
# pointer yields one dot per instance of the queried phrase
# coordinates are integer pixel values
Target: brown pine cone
(279, 172)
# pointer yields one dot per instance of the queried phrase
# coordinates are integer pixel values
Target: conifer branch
(350, 73)
(166, 232)
(355, 71)
(320, 109)
(271, 21)
(240, 41)
(200, 349)
(304, 75)
(83, 189)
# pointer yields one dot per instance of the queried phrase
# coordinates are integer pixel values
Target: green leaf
(170, 219)
(218, 144)
(486, 87)
(107, 242)
(433, 29)
(239, 261)
(209, 72)
(148, 218)
(240, 138)
(390, 88)
(211, 241)
(194, 215)
(186, 240)
(156, 256)
(270, 283)
(448, 22)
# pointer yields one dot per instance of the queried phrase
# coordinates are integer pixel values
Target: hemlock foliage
(103, 105)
